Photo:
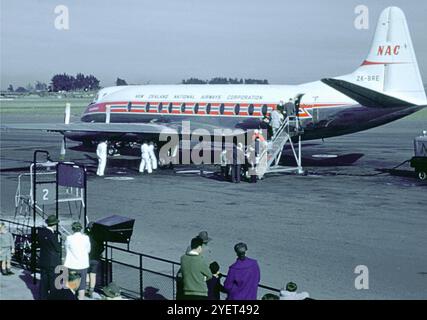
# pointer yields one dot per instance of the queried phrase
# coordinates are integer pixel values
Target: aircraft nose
(92, 108)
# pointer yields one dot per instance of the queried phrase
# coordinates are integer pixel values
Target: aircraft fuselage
(324, 112)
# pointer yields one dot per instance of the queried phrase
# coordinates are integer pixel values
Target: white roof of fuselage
(261, 93)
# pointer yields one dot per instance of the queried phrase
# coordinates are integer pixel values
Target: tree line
(61, 82)
(65, 82)
(37, 87)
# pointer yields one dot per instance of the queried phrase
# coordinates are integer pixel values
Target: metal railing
(153, 278)
(22, 235)
(139, 275)
(24, 195)
(27, 251)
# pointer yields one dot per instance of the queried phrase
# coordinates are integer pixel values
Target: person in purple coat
(243, 276)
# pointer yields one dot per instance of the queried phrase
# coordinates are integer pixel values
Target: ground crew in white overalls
(145, 159)
(101, 153)
(152, 155)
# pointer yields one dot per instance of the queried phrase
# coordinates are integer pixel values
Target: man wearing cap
(195, 272)
(243, 276)
(77, 247)
(290, 293)
(206, 252)
(50, 255)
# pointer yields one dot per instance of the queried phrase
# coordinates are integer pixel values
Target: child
(214, 284)
(7, 248)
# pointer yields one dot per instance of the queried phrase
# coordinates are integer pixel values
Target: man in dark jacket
(238, 159)
(243, 276)
(50, 255)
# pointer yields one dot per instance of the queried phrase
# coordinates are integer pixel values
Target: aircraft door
(297, 102)
(315, 111)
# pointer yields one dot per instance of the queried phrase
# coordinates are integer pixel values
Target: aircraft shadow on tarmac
(130, 164)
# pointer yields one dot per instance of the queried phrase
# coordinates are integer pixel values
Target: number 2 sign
(46, 193)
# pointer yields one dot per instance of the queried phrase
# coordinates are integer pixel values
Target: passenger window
(147, 107)
(196, 108)
(170, 107)
(129, 106)
(264, 110)
(237, 109)
(183, 107)
(251, 109)
(222, 108)
(208, 108)
(160, 107)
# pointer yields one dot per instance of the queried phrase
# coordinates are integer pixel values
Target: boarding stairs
(25, 202)
(272, 150)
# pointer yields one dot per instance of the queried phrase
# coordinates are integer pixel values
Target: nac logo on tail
(388, 50)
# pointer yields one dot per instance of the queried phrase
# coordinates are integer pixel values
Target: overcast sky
(165, 41)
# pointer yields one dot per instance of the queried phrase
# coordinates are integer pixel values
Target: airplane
(387, 86)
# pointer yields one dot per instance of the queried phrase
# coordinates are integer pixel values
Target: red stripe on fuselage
(189, 108)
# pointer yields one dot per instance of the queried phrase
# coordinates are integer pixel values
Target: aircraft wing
(365, 96)
(120, 128)
(91, 127)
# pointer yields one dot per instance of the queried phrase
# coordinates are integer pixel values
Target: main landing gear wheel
(422, 175)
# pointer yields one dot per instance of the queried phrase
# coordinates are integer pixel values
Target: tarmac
(312, 229)
(19, 286)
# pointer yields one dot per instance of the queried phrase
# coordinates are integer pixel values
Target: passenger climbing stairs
(271, 152)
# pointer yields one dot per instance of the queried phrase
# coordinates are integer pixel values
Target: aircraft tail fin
(391, 66)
